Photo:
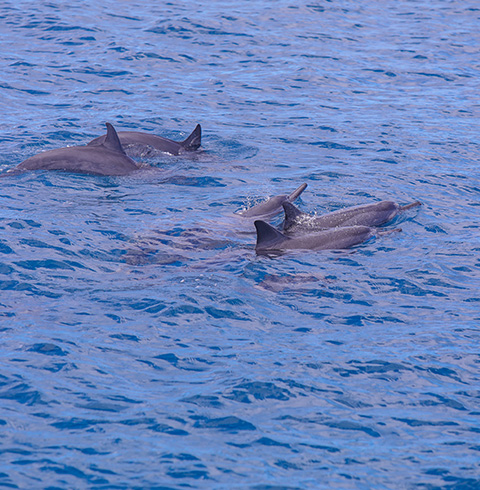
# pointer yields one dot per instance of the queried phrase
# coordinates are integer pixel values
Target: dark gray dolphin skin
(107, 158)
(272, 206)
(375, 214)
(270, 239)
(137, 139)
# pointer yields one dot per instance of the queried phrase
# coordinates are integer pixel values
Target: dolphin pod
(135, 139)
(340, 229)
(106, 154)
(375, 214)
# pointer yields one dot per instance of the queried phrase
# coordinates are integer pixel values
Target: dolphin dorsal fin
(112, 141)
(267, 236)
(292, 214)
(194, 141)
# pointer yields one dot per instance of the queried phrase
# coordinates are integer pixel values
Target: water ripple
(138, 324)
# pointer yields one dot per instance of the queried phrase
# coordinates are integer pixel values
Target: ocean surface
(144, 344)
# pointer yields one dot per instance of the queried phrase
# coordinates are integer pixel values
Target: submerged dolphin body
(272, 206)
(136, 139)
(375, 214)
(271, 240)
(107, 158)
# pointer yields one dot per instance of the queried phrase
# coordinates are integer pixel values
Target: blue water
(143, 342)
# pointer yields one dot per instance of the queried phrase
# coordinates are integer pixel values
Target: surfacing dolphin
(107, 158)
(272, 206)
(270, 239)
(376, 214)
(133, 140)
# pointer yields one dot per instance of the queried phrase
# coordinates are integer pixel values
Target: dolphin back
(138, 142)
(375, 214)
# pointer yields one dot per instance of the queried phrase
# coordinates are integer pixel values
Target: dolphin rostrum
(107, 158)
(270, 239)
(375, 214)
(272, 206)
(136, 139)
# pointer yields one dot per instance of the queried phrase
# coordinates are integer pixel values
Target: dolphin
(375, 214)
(135, 139)
(107, 158)
(270, 239)
(272, 206)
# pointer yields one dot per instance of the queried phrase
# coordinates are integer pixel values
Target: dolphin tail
(267, 236)
(112, 142)
(411, 205)
(296, 193)
(292, 214)
(194, 141)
